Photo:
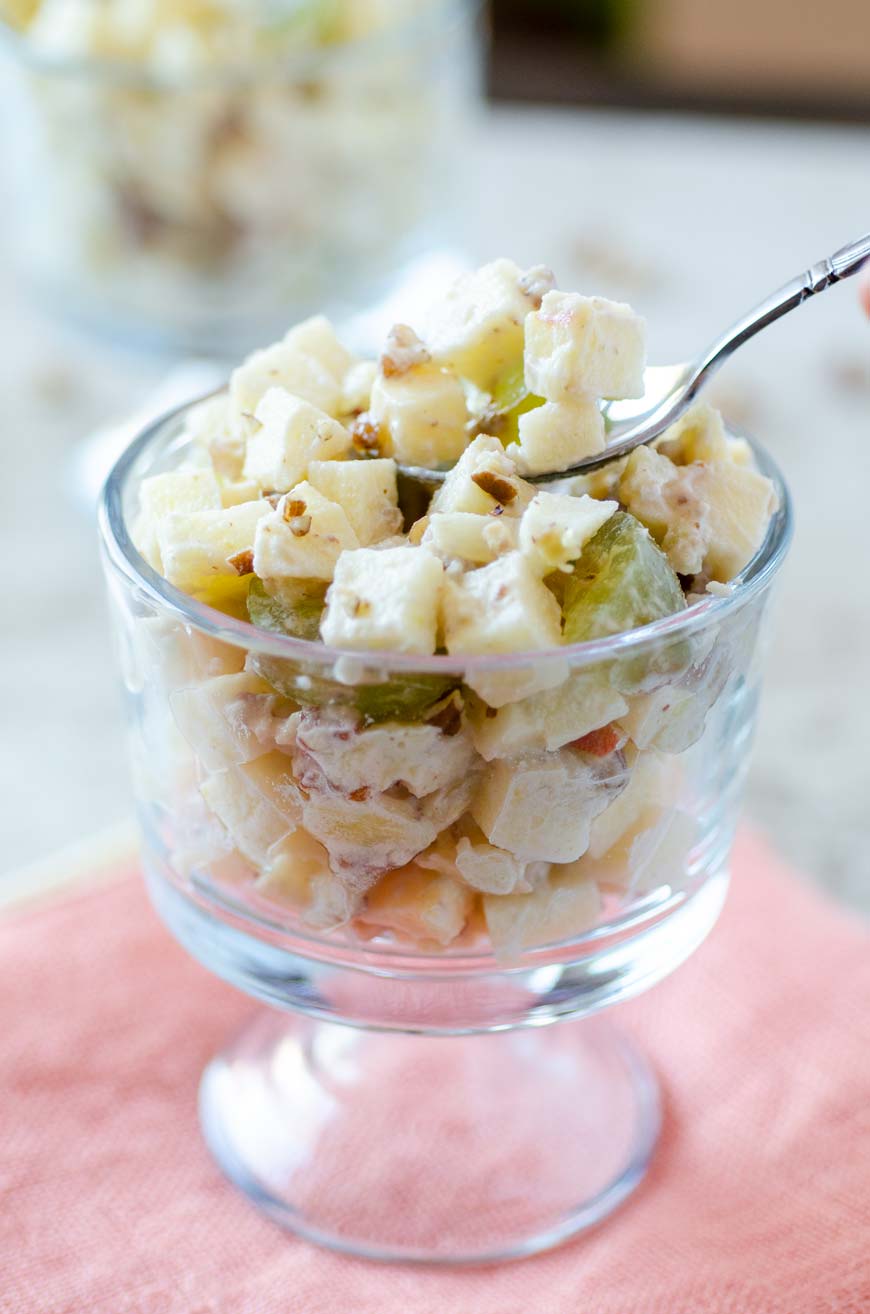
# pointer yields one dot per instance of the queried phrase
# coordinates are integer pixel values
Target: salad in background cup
(197, 174)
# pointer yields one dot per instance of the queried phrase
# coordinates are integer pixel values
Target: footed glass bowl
(402, 1098)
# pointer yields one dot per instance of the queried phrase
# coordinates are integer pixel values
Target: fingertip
(864, 292)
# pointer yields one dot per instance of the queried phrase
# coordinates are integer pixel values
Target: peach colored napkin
(758, 1202)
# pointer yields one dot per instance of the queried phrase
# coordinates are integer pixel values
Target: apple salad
(197, 166)
(448, 756)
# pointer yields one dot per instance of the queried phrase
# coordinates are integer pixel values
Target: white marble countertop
(691, 220)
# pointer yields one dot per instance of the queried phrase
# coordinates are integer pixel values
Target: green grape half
(294, 608)
(402, 698)
(621, 581)
(511, 399)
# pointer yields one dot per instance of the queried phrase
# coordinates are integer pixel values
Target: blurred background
(755, 57)
(166, 206)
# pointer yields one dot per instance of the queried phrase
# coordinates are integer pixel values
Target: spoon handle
(842, 264)
(848, 260)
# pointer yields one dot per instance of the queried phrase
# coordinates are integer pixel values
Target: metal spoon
(670, 389)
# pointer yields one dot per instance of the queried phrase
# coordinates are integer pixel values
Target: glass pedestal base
(444, 1149)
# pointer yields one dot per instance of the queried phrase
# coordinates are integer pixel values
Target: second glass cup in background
(206, 206)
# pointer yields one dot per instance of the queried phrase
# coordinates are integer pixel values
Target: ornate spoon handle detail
(842, 264)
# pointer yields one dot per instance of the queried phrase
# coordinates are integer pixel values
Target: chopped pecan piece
(496, 485)
(365, 435)
(403, 350)
(242, 562)
(448, 718)
(536, 282)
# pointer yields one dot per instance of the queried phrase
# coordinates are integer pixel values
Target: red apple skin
(599, 743)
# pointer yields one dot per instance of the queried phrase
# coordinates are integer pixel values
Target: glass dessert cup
(204, 209)
(404, 1099)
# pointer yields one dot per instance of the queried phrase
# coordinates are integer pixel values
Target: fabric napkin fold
(758, 1201)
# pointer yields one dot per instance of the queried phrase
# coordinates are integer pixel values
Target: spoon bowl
(669, 390)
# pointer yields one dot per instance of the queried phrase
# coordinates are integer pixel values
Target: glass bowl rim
(709, 610)
(291, 66)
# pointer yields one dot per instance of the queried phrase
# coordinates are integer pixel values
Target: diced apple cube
(316, 338)
(302, 538)
(710, 516)
(217, 436)
(441, 854)
(236, 491)
(666, 499)
(423, 414)
(209, 424)
(258, 803)
(288, 434)
(555, 528)
(331, 903)
(577, 344)
(464, 536)
(653, 785)
(561, 908)
(477, 329)
(179, 490)
(585, 702)
(447, 805)
(356, 387)
(653, 851)
(367, 836)
(541, 807)
(650, 713)
(602, 484)
(492, 870)
(417, 904)
(143, 532)
(199, 841)
(220, 719)
(294, 864)
(503, 607)
(740, 503)
(196, 546)
(297, 876)
(367, 493)
(161, 495)
(177, 656)
(684, 721)
(384, 598)
(647, 488)
(284, 367)
(501, 688)
(557, 435)
(699, 435)
(483, 479)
